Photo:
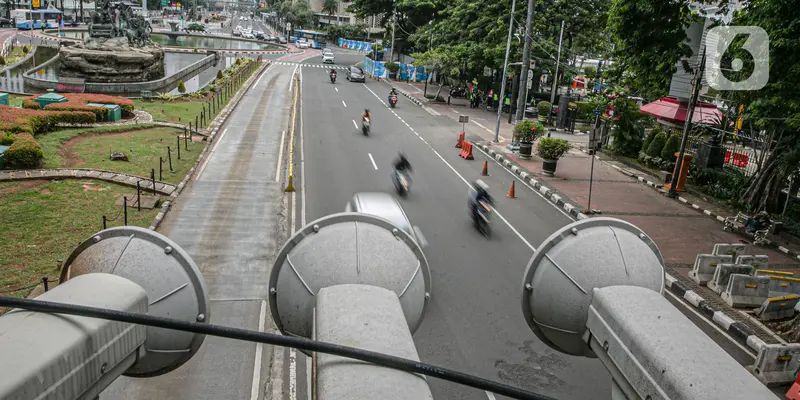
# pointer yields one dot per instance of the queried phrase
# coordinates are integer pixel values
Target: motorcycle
(402, 183)
(333, 78)
(481, 218)
(392, 100)
(365, 126)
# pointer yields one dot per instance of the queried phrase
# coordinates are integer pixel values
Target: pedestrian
(496, 100)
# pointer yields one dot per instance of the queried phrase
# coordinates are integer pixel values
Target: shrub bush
(543, 108)
(552, 148)
(672, 146)
(16, 120)
(649, 139)
(181, 86)
(585, 111)
(657, 144)
(6, 138)
(101, 113)
(219, 74)
(2, 60)
(25, 152)
(31, 104)
(79, 99)
(26, 49)
(527, 131)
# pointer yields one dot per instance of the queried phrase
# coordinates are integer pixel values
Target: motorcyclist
(480, 193)
(332, 72)
(401, 164)
(393, 92)
(366, 115)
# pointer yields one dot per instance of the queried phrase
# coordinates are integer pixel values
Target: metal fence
(742, 151)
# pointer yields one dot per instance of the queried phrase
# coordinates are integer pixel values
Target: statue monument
(118, 49)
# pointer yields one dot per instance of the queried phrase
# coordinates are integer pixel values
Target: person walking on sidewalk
(489, 98)
(507, 103)
(495, 101)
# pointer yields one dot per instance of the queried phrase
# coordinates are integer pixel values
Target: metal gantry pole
(526, 60)
(505, 70)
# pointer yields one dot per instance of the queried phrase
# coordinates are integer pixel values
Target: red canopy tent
(671, 110)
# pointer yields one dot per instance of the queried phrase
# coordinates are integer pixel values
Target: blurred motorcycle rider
(366, 115)
(401, 164)
(480, 193)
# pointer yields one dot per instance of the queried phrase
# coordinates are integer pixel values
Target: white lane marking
(302, 164)
(254, 390)
(294, 213)
(355, 124)
(454, 111)
(373, 161)
(336, 89)
(308, 377)
(292, 374)
(344, 104)
(431, 111)
(291, 82)
(479, 124)
(561, 210)
(490, 395)
(208, 157)
(519, 235)
(280, 157)
(713, 325)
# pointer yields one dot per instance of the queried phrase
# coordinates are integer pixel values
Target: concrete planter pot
(525, 150)
(549, 167)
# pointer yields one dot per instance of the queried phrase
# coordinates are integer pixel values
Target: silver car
(385, 206)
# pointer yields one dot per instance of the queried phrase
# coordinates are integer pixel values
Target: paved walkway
(80, 173)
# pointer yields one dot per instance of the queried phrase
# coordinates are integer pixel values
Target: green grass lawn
(45, 220)
(51, 142)
(15, 55)
(181, 112)
(15, 100)
(143, 148)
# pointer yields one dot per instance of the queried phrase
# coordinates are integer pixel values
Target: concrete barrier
(733, 250)
(758, 261)
(746, 290)
(776, 364)
(723, 274)
(777, 307)
(782, 286)
(705, 265)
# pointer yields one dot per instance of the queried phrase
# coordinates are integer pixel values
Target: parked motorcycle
(365, 126)
(402, 183)
(392, 101)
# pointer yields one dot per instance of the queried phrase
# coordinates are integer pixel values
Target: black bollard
(169, 158)
(138, 197)
(160, 170)
(125, 210)
(104, 222)
(179, 147)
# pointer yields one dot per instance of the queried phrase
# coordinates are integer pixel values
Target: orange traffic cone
(485, 171)
(511, 193)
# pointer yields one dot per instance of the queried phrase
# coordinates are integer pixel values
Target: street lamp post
(505, 70)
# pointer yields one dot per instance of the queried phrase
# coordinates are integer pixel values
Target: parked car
(385, 206)
(282, 40)
(327, 58)
(355, 74)
(259, 35)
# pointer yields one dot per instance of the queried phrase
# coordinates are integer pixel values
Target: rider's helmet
(401, 156)
(366, 111)
(481, 186)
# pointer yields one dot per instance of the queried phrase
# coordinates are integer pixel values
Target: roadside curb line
(217, 122)
(85, 173)
(528, 178)
(709, 213)
(736, 329)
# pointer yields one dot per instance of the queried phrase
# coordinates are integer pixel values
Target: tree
(303, 16)
(775, 109)
(648, 38)
(442, 60)
(330, 7)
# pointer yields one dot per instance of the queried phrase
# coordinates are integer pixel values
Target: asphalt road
(229, 220)
(474, 324)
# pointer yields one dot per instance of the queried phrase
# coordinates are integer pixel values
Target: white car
(302, 44)
(327, 58)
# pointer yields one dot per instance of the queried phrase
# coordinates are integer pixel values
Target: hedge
(80, 99)
(101, 113)
(16, 120)
(6, 138)
(25, 152)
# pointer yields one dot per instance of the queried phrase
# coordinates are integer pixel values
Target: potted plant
(542, 110)
(550, 150)
(526, 133)
(392, 68)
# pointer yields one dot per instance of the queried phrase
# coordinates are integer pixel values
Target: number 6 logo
(717, 44)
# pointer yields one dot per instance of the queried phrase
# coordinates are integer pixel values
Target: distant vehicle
(385, 206)
(5, 22)
(327, 58)
(249, 35)
(259, 35)
(302, 44)
(327, 50)
(282, 40)
(355, 74)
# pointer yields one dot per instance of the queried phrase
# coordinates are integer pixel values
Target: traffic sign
(463, 119)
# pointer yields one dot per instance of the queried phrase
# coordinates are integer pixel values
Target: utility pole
(394, 19)
(526, 60)
(430, 47)
(697, 85)
(555, 77)
(505, 70)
